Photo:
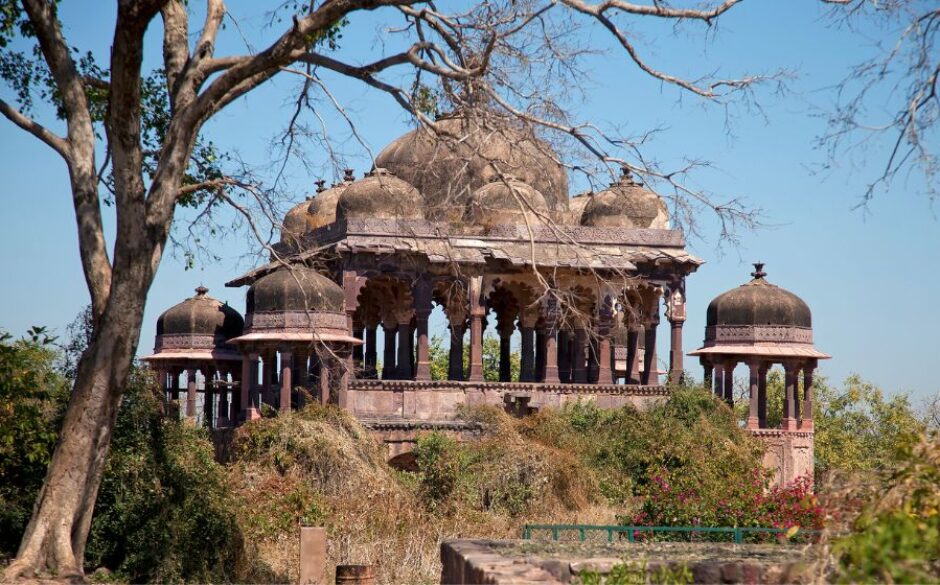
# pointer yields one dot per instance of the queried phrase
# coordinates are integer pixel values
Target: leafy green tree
(896, 539)
(33, 395)
(857, 426)
(440, 359)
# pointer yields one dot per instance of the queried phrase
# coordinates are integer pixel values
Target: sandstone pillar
(287, 364)
(371, 355)
(357, 351)
(403, 367)
(505, 355)
(753, 417)
(249, 394)
(603, 354)
(476, 348)
(675, 352)
(729, 366)
(650, 376)
(719, 388)
(527, 366)
(191, 394)
(388, 359)
(807, 420)
(676, 320)
(324, 380)
(268, 376)
(762, 397)
(633, 355)
(604, 372)
(222, 416)
(423, 371)
(789, 399)
(708, 379)
(579, 365)
(564, 356)
(455, 361)
(540, 340)
(477, 312)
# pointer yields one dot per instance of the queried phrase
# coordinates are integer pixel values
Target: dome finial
(759, 273)
(321, 185)
(201, 291)
(626, 177)
(348, 176)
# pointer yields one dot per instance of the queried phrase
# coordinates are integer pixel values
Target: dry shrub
(320, 467)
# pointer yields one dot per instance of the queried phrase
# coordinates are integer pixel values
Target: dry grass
(319, 467)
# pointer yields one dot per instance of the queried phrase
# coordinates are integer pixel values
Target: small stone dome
(380, 195)
(626, 204)
(466, 153)
(295, 222)
(758, 303)
(508, 201)
(201, 315)
(297, 288)
(322, 208)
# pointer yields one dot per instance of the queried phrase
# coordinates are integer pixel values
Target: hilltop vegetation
(169, 512)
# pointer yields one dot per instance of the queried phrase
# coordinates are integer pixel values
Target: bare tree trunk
(54, 541)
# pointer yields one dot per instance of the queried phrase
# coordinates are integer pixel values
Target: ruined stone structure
(479, 222)
(760, 324)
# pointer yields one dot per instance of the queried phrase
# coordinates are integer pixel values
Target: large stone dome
(626, 204)
(380, 195)
(201, 315)
(297, 288)
(758, 303)
(508, 201)
(449, 166)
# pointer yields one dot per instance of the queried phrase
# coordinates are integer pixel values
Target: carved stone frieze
(294, 320)
(746, 334)
(188, 341)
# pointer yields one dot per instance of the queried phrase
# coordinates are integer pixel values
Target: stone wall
(440, 400)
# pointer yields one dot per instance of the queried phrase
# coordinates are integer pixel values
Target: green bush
(162, 512)
(164, 509)
(33, 396)
(896, 539)
(439, 467)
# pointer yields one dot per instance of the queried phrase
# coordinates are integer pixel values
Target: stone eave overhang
(574, 247)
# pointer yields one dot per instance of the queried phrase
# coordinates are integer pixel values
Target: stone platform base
(441, 400)
(532, 561)
(789, 454)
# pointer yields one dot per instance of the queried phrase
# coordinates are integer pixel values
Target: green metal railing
(631, 533)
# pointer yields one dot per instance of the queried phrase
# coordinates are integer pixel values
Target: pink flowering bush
(676, 499)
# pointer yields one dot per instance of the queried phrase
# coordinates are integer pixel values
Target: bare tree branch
(53, 140)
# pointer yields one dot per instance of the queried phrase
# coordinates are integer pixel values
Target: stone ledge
(531, 561)
(518, 387)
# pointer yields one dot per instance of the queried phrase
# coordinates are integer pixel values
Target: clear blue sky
(868, 277)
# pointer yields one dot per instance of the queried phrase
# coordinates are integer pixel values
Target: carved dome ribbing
(201, 315)
(380, 195)
(759, 303)
(297, 288)
(626, 204)
(449, 166)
